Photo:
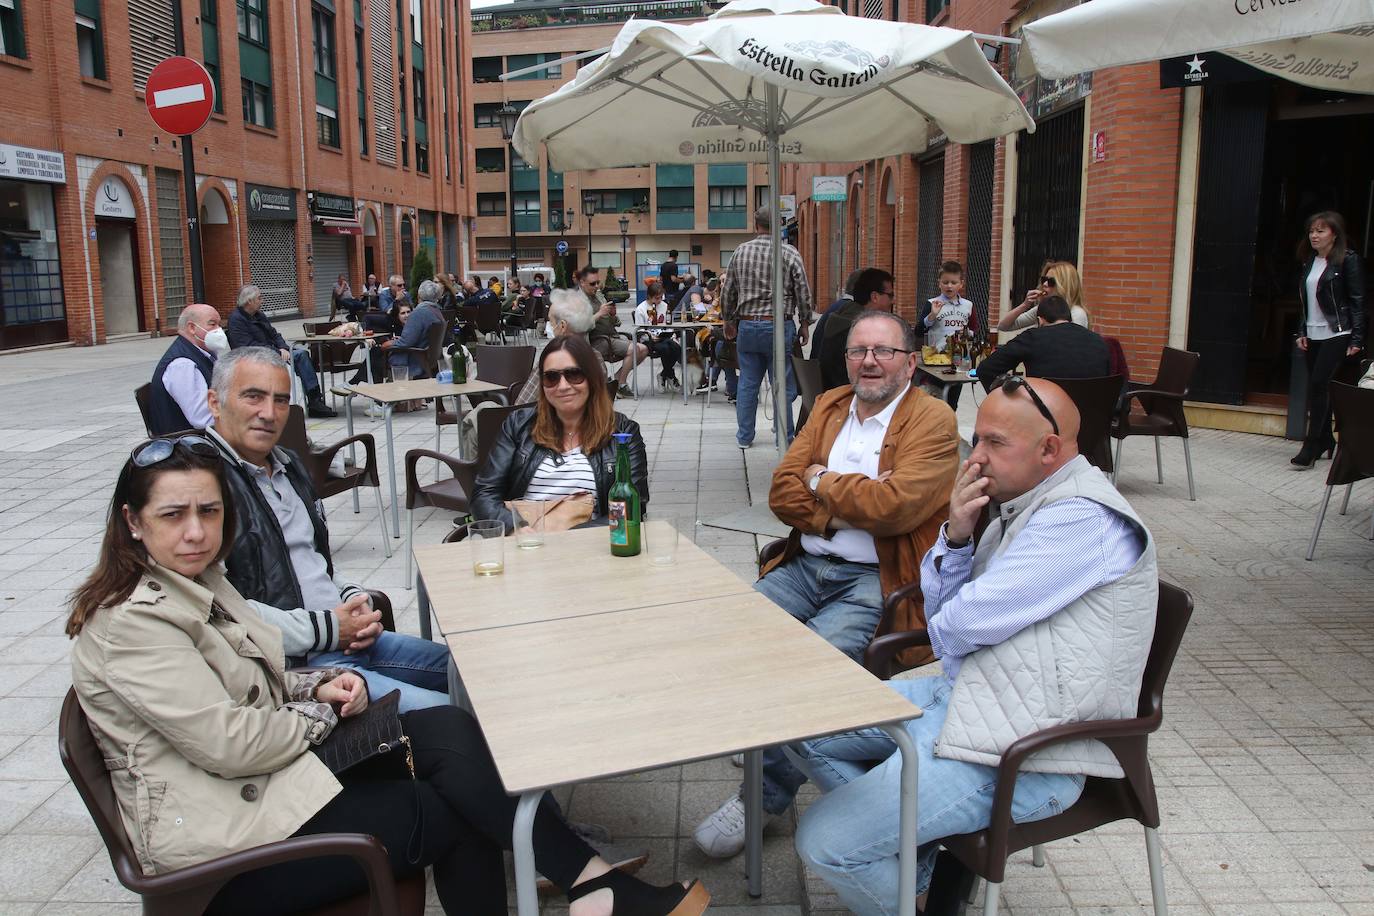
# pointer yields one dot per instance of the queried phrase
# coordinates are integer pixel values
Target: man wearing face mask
(177, 399)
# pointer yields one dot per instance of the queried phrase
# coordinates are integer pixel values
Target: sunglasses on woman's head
(551, 377)
(154, 450)
(1009, 382)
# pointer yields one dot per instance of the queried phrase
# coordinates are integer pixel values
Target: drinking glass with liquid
(487, 540)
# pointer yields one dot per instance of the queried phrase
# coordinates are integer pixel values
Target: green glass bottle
(459, 361)
(623, 503)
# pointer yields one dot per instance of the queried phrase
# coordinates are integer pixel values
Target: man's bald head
(1015, 445)
(197, 320)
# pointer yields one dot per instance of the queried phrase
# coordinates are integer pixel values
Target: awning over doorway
(331, 226)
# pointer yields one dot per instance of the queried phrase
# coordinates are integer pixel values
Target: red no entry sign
(180, 95)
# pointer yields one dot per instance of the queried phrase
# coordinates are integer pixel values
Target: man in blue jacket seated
(249, 327)
(415, 332)
(1022, 651)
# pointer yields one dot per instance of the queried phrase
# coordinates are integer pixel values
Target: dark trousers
(464, 819)
(668, 351)
(1324, 357)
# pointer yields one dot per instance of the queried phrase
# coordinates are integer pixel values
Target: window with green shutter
(12, 28)
(209, 41)
(90, 39)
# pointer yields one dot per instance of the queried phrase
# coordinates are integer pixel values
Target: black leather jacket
(515, 457)
(1340, 296)
(259, 564)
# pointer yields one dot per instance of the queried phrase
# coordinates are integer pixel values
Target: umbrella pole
(780, 355)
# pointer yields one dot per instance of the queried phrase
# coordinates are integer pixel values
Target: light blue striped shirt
(1064, 551)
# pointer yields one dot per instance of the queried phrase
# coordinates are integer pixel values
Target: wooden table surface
(568, 701)
(938, 374)
(391, 392)
(330, 338)
(572, 575)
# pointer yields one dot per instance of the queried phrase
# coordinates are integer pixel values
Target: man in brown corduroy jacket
(865, 487)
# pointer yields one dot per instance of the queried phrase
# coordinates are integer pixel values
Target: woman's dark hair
(1053, 309)
(122, 559)
(598, 417)
(1336, 223)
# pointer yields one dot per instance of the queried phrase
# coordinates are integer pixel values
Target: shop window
(327, 126)
(30, 271)
(252, 15)
(322, 22)
(90, 43)
(257, 104)
(491, 205)
(12, 28)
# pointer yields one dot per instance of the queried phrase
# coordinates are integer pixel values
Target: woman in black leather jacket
(1331, 290)
(562, 443)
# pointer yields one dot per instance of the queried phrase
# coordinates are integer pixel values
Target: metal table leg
(753, 821)
(353, 456)
(422, 605)
(522, 837)
(391, 471)
(906, 887)
(685, 386)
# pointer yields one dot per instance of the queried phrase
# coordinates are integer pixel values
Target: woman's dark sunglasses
(1010, 382)
(1048, 281)
(551, 377)
(155, 450)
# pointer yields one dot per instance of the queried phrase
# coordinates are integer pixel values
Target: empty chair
(489, 320)
(809, 385)
(1096, 400)
(187, 891)
(1103, 801)
(506, 366)
(141, 395)
(1353, 409)
(317, 462)
(1162, 403)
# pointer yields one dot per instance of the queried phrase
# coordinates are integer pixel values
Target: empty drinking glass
(529, 524)
(662, 538)
(487, 540)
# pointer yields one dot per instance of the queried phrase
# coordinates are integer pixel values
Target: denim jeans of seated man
(754, 352)
(850, 836)
(416, 667)
(305, 369)
(841, 602)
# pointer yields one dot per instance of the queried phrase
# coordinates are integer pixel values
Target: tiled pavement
(1262, 765)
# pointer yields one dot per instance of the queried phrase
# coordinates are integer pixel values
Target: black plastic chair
(318, 460)
(1096, 400)
(1353, 409)
(1162, 402)
(142, 396)
(809, 385)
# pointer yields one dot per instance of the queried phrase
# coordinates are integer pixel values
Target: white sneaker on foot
(721, 836)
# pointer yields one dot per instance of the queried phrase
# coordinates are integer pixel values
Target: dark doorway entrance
(1049, 194)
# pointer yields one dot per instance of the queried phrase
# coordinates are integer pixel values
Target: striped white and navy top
(561, 475)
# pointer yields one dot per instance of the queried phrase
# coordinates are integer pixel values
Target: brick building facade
(338, 145)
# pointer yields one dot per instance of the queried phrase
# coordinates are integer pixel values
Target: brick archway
(221, 254)
(145, 251)
(885, 230)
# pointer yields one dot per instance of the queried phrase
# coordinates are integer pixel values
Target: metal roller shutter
(272, 265)
(331, 259)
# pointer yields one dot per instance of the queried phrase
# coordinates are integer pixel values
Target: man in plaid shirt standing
(747, 300)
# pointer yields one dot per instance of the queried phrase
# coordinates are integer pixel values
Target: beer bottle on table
(459, 360)
(623, 503)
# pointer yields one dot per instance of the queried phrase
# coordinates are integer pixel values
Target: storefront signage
(113, 200)
(1100, 146)
(28, 164)
(266, 202)
(331, 205)
(1204, 68)
(787, 206)
(829, 188)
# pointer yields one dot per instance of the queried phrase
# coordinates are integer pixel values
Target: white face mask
(217, 342)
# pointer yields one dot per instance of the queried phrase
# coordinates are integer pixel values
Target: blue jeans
(754, 349)
(416, 667)
(305, 369)
(731, 378)
(850, 835)
(843, 603)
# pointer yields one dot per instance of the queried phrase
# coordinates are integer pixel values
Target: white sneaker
(721, 836)
(737, 760)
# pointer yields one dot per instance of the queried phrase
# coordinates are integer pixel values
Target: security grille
(383, 81)
(392, 252)
(150, 37)
(930, 227)
(1049, 176)
(331, 259)
(873, 9)
(272, 265)
(169, 220)
(503, 254)
(978, 271)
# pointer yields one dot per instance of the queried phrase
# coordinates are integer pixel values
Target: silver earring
(135, 535)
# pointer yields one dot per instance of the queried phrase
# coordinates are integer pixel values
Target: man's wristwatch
(814, 483)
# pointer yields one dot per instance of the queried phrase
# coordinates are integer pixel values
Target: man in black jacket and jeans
(280, 559)
(249, 327)
(1057, 348)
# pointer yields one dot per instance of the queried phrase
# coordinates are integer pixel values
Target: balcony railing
(502, 20)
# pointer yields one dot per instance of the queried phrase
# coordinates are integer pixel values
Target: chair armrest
(199, 883)
(771, 550)
(1154, 393)
(881, 651)
(463, 469)
(325, 457)
(381, 603)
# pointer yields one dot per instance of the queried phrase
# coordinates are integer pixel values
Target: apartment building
(338, 144)
(702, 211)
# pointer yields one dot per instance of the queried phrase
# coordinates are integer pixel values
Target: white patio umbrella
(771, 81)
(1327, 44)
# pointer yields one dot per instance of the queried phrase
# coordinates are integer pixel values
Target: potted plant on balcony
(615, 289)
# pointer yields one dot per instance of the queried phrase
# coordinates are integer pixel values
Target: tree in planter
(421, 269)
(560, 272)
(616, 290)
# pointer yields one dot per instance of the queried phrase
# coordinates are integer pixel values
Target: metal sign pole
(188, 179)
(781, 401)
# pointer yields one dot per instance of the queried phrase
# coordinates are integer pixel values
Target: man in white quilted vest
(1047, 620)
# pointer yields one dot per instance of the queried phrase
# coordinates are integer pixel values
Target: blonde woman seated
(1057, 278)
(209, 738)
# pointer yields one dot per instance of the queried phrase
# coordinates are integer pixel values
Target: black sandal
(635, 898)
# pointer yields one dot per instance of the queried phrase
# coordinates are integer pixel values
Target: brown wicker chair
(187, 891)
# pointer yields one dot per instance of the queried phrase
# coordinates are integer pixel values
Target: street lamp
(508, 116)
(624, 247)
(589, 210)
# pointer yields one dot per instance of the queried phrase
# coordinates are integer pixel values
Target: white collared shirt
(856, 451)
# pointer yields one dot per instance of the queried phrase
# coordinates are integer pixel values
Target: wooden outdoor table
(946, 383)
(389, 394)
(583, 698)
(572, 575)
(316, 343)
